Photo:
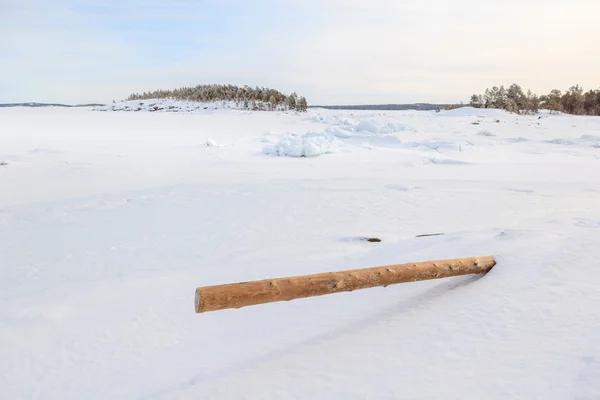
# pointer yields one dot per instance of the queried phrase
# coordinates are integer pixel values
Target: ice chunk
(307, 145)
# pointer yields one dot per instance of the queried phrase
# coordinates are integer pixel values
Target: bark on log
(237, 295)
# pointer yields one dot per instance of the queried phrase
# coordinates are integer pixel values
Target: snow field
(109, 221)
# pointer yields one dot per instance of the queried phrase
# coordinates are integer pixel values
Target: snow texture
(110, 220)
(170, 105)
(307, 145)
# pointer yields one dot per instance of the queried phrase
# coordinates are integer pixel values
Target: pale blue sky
(332, 51)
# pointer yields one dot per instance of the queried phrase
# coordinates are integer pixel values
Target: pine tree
(532, 103)
(502, 98)
(487, 99)
(572, 101)
(552, 101)
(302, 105)
(476, 101)
(291, 101)
(515, 98)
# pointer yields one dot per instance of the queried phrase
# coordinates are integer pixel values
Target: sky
(331, 51)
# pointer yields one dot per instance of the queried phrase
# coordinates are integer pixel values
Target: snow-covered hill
(109, 221)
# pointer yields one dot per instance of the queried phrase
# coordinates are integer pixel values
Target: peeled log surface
(237, 295)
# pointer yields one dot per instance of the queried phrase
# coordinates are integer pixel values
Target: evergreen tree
(291, 101)
(515, 97)
(476, 101)
(260, 98)
(573, 101)
(302, 105)
(487, 99)
(552, 101)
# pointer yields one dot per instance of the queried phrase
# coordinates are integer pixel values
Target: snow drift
(307, 145)
(346, 126)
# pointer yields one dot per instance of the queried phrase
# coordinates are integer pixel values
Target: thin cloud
(331, 51)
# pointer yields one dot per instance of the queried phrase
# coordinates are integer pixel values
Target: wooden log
(237, 295)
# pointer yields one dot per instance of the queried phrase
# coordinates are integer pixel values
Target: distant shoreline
(32, 104)
(371, 107)
(387, 107)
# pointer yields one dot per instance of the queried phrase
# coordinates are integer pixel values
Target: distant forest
(258, 98)
(573, 101)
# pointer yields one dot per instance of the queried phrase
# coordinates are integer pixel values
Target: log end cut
(197, 301)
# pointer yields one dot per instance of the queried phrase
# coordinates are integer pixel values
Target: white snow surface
(172, 105)
(310, 144)
(165, 105)
(109, 221)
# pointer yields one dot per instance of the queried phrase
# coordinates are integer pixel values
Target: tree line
(258, 98)
(573, 101)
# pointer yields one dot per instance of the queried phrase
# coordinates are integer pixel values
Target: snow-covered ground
(109, 221)
(173, 106)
